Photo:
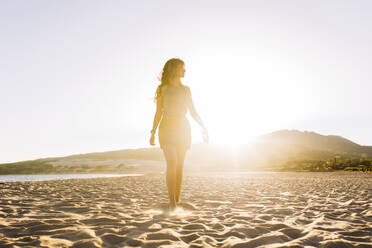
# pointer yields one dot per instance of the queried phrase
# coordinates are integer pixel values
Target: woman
(173, 98)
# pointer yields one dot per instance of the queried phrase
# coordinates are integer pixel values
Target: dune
(216, 210)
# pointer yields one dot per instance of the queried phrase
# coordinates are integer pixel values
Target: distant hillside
(95, 162)
(268, 151)
(312, 140)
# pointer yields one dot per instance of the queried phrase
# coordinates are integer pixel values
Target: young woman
(173, 98)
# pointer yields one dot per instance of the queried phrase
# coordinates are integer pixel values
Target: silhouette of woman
(173, 98)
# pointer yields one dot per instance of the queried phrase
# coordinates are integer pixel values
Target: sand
(216, 210)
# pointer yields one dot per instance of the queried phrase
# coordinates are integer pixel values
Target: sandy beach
(216, 210)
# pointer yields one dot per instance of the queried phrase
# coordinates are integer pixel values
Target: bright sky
(79, 76)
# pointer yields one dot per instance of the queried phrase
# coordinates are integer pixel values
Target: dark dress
(174, 128)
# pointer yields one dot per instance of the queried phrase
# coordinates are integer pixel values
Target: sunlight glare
(254, 95)
(180, 212)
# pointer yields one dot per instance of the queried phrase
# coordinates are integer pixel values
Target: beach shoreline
(53, 177)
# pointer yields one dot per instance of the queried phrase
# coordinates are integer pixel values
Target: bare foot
(172, 206)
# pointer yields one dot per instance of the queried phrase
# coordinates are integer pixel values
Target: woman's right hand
(152, 140)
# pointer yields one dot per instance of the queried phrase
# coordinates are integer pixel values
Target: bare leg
(170, 153)
(179, 171)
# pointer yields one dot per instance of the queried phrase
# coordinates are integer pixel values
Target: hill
(317, 141)
(269, 151)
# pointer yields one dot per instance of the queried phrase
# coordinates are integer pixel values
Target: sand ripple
(217, 210)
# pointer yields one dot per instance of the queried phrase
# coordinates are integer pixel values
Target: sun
(236, 118)
(230, 137)
(242, 97)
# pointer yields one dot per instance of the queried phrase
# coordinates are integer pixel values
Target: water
(46, 177)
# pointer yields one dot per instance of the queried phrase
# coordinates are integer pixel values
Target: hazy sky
(79, 76)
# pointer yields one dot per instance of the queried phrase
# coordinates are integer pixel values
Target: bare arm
(193, 112)
(158, 113)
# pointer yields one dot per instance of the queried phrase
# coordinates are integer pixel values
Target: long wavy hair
(168, 73)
